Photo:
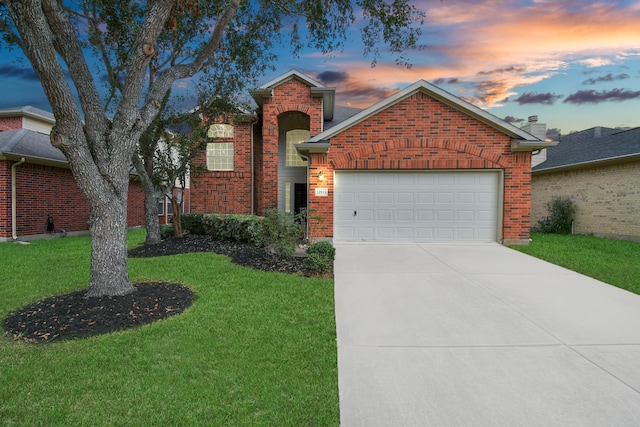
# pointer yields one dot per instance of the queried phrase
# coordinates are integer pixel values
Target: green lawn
(616, 262)
(255, 349)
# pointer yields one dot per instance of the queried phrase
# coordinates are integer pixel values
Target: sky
(573, 63)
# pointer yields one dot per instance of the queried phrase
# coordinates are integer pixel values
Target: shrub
(192, 223)
(280, 233)
(319, 260)
(236, 228)
(166, 231)
(561, 213)
(324, 249)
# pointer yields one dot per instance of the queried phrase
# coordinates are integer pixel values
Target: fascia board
(289, 75)
(35, 160)
(438, 94)
(28, 111)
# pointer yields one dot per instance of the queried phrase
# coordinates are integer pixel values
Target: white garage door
(416, 206)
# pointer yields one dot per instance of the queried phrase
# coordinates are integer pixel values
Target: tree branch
(167, 77)
(69, 49)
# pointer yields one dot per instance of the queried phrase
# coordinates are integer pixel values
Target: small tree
(172, 162)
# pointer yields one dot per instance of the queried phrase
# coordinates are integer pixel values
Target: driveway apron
(480, 335)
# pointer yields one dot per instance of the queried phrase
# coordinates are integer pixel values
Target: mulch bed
(240, 253)
(73, 315)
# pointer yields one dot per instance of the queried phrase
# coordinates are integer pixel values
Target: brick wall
(43, 190)
(230, 191)
(607, 198)
(10, 123)
(421, 133)
(291, 95)
(225, 192)
(135, 205)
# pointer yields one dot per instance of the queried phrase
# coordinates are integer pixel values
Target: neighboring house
(38, 194)
(419, 166)
(599, 169)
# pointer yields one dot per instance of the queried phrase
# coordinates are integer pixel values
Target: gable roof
(521, 140)
(328, 94)
(592, 146)
(34, 146)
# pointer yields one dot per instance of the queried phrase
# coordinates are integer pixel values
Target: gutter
(14, 233)
(527, 145)
(586, 163)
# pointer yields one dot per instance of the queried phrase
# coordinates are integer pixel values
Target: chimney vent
(533, 119)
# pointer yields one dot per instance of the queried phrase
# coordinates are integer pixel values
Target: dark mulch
(75, 316)
(240, 253)
(72, 315)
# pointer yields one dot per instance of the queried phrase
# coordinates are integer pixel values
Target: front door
(299, 197)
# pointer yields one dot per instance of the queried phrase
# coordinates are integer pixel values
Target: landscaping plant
(320, 258)
(560, 219)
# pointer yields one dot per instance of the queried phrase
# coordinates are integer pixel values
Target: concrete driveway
(480, 335)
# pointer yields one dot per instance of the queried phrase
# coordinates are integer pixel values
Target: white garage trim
(418, 206)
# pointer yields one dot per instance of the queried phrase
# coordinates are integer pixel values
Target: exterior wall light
(321, 177)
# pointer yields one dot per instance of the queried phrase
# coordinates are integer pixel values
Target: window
(220, 131)
(220, 156)
(294, 137)
(287, 196)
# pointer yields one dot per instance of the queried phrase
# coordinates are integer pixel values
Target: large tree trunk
(109, 273)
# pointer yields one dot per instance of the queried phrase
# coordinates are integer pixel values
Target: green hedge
(236, 228)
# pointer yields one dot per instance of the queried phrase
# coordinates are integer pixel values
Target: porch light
(321, 176)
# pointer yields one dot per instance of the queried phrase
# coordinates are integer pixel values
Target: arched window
(220, 131)
(293, 138)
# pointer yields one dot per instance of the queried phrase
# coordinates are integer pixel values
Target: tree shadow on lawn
(72, 315)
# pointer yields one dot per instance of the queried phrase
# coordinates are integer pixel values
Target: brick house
(419, 166)
(36, 182)
(598, 168)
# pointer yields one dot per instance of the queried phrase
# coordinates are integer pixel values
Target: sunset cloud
(489, 49)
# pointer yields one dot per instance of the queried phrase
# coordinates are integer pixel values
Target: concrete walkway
(480, 335)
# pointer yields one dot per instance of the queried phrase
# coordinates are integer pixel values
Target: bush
(280, 233)
(166, 231)
(324, 249)
(319, 260)
(561, 214)
(236, 228)
(192, 223)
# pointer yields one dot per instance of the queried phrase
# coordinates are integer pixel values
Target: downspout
(308, 159)
(252, 166)
(14, 214)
